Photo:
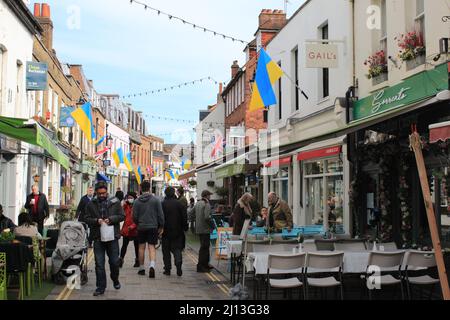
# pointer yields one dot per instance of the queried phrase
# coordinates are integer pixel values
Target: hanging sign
(36, 76)
(66, 120)
(322, 55)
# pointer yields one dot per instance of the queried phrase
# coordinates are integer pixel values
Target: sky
(125, 49)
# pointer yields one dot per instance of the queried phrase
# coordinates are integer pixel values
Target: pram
(70, 255)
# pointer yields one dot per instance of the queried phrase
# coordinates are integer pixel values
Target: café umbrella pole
(416, 146)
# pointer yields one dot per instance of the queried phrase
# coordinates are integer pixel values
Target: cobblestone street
(191, 286)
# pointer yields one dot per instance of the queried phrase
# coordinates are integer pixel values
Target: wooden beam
(416, 145)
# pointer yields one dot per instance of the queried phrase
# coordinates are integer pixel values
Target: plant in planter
(7, 236)
(412, 46)
(210, 183)
(377, 64)
(222, 192)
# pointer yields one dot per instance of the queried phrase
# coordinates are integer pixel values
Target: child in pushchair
(70, 255)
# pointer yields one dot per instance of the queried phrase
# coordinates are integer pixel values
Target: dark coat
(114, 213)
(81, 209)
(175, 221)
(237, 219)
(43, 210)
(6, 223)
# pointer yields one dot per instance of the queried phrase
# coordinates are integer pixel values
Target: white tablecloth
(354, 262)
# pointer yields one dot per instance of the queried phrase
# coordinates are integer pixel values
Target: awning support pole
(416, 145)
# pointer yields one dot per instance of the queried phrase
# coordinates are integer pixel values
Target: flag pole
(416, 146)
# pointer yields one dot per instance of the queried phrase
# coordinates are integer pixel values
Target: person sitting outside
(280, 215)
(241, 212)
(26, 227)
(5, 222)
(262, 218)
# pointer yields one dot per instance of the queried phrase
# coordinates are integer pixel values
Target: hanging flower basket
(192, 183)
(210, 183)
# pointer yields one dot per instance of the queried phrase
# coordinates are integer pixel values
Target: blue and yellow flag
(118, 157)
(267, 73)
(128, 162)
(186, 164)
(168, 176)
(138, 175)
(99, 141)
(83, 117)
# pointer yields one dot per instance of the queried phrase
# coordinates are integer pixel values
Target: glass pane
(420, 7)
(284, 172)
(334, 165)
(315, 205)
(314, 167)
(335, 203)
(284, 190)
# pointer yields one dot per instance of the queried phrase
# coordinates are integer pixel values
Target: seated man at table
(280, 215)
(5, 222)
(26, 227)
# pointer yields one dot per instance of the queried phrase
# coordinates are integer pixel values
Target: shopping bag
(106, 232)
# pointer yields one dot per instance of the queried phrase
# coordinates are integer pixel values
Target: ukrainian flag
(168, 176)
(99, 141)
(128, 163)
(138, 175)
(172, 175)
(186, 164)
(83, 117)
(118, 157)
(267, 73)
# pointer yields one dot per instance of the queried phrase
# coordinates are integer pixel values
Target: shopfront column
(296, 195)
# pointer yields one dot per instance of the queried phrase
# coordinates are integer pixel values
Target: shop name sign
(322, 56)
(380, 100)
(36, 76)
(413, 90)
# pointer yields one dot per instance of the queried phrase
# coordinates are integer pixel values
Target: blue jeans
(112, 250)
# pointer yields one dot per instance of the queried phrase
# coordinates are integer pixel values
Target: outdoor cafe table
(354, 262)
(18, 255)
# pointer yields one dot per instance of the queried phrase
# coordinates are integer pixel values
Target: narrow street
(191, 286)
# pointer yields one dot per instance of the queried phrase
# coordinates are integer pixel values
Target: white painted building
(17, 30)
(207, 131)
(312, 177)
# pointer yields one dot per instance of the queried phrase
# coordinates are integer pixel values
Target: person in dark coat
(182, 197)
(108, 212)
(241, 212)
(5, 222)
(38, 208)
(81, 209)
(175, 225)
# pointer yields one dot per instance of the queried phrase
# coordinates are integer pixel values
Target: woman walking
(129, 230)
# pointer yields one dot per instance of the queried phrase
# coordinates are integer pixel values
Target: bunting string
(186, 22)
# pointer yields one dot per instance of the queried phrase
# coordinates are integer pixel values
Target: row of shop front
(362, 179)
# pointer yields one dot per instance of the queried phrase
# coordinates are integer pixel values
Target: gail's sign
(322, 56)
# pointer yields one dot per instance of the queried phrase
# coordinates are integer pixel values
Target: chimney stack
(234, 69)
(270, 23)
(43, 15)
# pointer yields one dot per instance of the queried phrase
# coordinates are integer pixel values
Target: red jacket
(129, 228)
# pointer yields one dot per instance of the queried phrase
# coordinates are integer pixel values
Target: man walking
(102, 214)
(175, 224)
(149, 218)
(37, 206)
(182, 197)
(280, 215)
(81, 209)
(203, 229)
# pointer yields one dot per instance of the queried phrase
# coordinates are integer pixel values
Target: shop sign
(66, 120)
(279, 162)
(36, 76)
(110, 171)
(412, 90)
(229, 171)
(321, 153)
(322, 56)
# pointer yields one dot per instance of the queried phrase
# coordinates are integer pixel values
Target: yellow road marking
(66, 292)
(212, 276)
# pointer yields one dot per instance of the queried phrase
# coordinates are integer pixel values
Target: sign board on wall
(322, 55)
(66, 120)
(36, 76)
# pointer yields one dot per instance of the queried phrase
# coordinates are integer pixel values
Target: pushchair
(70, 255)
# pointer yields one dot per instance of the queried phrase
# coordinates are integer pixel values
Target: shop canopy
(33, 134)
(440, 132)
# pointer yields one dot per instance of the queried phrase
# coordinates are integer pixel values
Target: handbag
(106, 233)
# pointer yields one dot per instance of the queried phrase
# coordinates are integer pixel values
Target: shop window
(325, 71)
(279, 183)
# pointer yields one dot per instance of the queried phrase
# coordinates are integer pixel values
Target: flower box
(379, 79)
(416, 62)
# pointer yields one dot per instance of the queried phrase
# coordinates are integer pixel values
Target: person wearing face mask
(109, 212)
(129, 230)
(37, 206)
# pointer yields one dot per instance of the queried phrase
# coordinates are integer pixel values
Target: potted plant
(210, 184)
(222, 192)
(7, 235)
(412, 49)
(192, 183)
(378, 67)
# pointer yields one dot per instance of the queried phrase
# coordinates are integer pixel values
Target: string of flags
(186, 22)
(155, 91)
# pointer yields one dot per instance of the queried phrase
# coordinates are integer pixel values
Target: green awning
(32, 134)
(230, 170)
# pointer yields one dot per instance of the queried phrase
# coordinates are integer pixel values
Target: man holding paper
(104, 215)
